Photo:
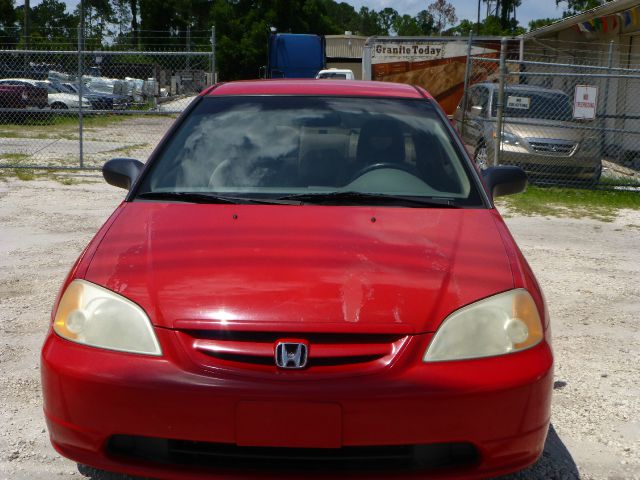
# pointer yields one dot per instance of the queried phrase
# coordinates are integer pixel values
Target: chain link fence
(68, 109)
(567, 119)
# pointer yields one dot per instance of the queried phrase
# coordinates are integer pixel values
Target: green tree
(425, 22)
(489, 26)
(343, 15)
(370, 23)
(577, 6)
(98, 18)
(51, 21)
(8, 33)
(406, 25)
(506, 10)
(388, 17)
(541, 22)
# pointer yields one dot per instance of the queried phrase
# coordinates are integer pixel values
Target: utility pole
(478, 23)
(213, 54)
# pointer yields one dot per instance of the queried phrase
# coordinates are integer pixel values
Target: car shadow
(555, 463)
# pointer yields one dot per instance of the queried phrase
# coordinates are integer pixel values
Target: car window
(48, 86)
(547, 105)
(278, 145)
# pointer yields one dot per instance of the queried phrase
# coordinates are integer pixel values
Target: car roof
(316, 87)
(518, 87)
(29, 80)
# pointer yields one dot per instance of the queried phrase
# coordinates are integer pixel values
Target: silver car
(539, 134)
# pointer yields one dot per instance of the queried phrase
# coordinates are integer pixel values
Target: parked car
(336, 74)
(305, 277)
(12, 96)
(56, 98)
(15, 95)
(99, 100)
(539, 133)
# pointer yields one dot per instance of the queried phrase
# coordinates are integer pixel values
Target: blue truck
(293, 55)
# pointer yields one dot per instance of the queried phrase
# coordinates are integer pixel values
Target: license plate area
(289, 424)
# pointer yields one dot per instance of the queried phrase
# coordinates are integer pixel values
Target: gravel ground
(588, 269)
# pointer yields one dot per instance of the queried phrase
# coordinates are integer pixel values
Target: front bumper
(550, 168)
(500, 405)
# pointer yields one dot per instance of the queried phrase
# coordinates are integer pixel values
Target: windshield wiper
(361, 198)
(199, 197)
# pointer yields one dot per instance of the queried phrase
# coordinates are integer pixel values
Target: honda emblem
(291, 355)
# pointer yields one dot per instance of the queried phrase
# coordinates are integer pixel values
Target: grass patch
(65, 180)
(25, 174)
(127, 149)
(65, 126)
(571, 202)
(14, 157)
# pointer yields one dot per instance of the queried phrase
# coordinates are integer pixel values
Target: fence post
(467, 73)
(213, 54)
(80, 85)
(188, 60)
(500, 105)
(603, 120)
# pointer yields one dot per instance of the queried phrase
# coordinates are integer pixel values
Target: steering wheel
(377, 166)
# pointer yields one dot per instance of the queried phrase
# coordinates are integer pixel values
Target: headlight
(98, 317)
(505, 323)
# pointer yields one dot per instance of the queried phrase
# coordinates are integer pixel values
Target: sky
(529, 10)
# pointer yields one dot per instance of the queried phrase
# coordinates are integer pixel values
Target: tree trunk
(134, 23)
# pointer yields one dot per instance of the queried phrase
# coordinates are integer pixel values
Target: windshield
(333, 75)
(534, 104)
(277, 146)
(70, 88)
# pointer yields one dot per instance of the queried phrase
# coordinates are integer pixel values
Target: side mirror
(505, 180)
(122, 172)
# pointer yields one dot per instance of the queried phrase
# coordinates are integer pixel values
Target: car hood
(301, 268)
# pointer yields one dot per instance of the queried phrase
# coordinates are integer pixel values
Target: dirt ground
(589, 270)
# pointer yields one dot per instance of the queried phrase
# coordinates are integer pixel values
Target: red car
(306, 278)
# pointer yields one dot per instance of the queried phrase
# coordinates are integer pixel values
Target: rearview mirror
(122, 172)
(505, 180)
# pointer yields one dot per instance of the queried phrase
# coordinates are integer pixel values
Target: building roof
(345, 46)
(315, 87)
(609, 8)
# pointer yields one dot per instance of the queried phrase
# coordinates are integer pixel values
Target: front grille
(551, 147)
(256, 350)
(230, 456)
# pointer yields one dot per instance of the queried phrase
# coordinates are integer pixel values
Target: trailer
(437, 64)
